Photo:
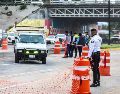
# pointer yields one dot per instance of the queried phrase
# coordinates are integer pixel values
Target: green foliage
(106, 46)
(23, 7)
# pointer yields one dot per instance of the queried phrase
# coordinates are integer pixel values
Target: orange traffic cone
(105, 65)
(85, 51)
(4, 44)
(81, 76)
(57, 48)
(80, 81)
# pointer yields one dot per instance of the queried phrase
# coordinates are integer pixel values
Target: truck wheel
(43, 60)
(16, 58)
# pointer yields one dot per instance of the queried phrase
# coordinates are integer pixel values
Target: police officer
(94, 56)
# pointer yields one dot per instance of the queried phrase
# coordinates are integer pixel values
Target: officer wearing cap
(94, 56)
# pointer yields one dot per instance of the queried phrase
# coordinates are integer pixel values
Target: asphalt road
(51, 78)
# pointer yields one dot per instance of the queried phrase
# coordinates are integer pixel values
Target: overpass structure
(84, 9)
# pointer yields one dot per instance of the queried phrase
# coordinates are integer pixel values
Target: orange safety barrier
(81, 77)
(85, 51)
(4, 44)
(105, 65)
(57, 48)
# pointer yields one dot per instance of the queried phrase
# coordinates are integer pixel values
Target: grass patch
(106, 46)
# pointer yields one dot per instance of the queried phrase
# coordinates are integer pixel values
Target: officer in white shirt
(94, 56)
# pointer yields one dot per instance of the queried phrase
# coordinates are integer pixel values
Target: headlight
(42, 51)
(27, 52)
(35, 52)
(20, 51)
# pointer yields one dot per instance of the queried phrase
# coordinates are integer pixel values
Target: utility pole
(109, 28)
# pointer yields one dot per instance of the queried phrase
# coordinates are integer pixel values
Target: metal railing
(83, 2)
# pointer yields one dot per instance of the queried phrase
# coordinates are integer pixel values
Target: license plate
(31, 56)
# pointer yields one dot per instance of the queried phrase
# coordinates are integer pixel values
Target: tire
(16, 58)
(44, 60)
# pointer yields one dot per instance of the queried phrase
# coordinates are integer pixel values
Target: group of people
(75, 42)
(94, 43)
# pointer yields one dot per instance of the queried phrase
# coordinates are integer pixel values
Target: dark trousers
(79, 50)
(68, 50)
(95, 67)
(73, 47)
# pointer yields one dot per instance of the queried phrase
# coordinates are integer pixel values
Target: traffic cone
(105, 65)
(57, 48)
(85, 51)
(4, 44)
(80, 81)
(81, 77)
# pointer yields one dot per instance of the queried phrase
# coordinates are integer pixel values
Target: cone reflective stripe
(81, 68)
(102, 64)
(81, 77)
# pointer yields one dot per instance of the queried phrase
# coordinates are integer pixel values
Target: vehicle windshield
(61, 35)
(52, 36)
(31, 39)
(11, 34)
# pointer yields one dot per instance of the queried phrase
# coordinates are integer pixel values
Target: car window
(61, 35)
(11, 34)
(51, 36)
(31, 39)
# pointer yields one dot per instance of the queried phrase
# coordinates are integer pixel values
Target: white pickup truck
(30, 46)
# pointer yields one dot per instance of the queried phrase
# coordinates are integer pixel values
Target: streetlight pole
(109, 28)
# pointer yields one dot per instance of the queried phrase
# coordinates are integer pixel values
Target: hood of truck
(31, 46)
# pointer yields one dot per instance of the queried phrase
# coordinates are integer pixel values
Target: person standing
(94, 56)
(67, 43)
(80, 43)
(71, 44)
(74, 47)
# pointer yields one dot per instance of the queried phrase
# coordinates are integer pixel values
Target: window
(31, 39)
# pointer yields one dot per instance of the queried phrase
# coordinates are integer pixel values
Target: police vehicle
(30, 46)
